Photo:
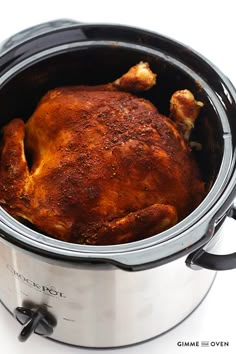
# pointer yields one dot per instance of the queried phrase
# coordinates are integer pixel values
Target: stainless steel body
(110, 296)
(101, 305)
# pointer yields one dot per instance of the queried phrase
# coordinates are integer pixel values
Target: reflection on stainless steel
(99, 300)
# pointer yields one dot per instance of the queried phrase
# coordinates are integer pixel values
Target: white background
(208, 27)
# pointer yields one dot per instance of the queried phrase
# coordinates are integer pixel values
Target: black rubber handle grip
(212, 261)
(203, 259)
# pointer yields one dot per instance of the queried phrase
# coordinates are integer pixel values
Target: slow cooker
(111, 296)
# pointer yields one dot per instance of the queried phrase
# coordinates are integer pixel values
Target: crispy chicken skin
(105, 166)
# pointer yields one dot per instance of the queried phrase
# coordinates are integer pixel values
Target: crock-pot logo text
(48, 290)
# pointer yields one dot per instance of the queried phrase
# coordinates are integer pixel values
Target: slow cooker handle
(34, 31)
(211, 261)
(203, 259)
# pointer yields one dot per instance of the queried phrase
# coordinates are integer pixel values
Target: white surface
(208, 27)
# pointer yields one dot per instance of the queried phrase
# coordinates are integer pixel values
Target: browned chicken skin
(106, 167)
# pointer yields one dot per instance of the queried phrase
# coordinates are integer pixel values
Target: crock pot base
(132, 344)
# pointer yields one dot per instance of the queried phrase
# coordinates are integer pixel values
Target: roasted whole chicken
(97, 165)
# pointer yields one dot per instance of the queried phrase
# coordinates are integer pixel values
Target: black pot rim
(189, 234)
